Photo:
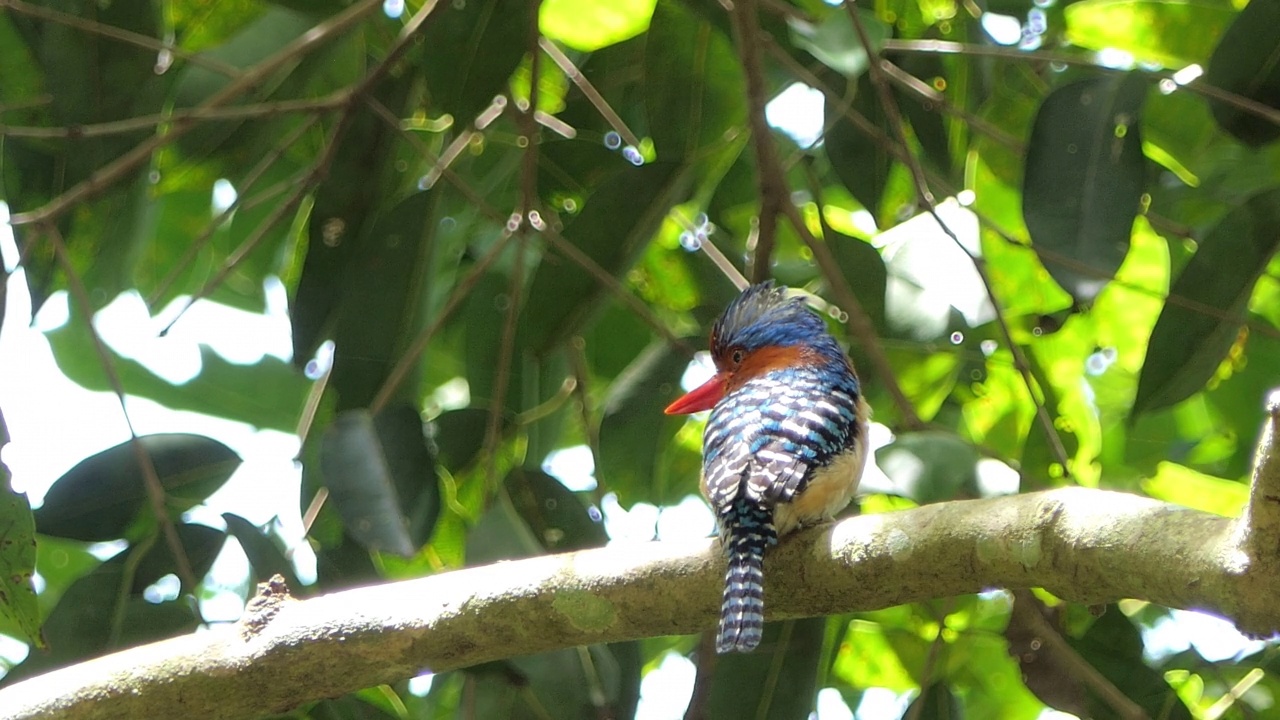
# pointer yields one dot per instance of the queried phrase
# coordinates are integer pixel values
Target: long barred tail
(749, 532)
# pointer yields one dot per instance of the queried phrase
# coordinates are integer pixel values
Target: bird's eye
(737, 356)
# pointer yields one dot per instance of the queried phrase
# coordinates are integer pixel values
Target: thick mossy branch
(1084, 545)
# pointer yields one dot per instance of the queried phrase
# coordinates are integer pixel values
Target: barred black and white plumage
(784, 446)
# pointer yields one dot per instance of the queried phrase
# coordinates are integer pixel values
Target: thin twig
(1027, 607)
(145, 42)
(1198, 86)
(593, 96)
(110, 173)
(523, 221)
(772, 186)
(859, 324)
(206, 235)
(151, 480)
(460, 292)
(558, 243)
(148, 122)
(889, 105)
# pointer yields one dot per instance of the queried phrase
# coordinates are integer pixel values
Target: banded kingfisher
(785, 445)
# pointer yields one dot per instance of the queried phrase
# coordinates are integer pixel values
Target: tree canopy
(1046, 231)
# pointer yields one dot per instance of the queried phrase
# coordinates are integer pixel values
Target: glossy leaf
(101, 497)
(693, 83)
(1114, 647)
(1172, 34)
(834, 41)
(1188, 343)
(17, 556)
(201, 544)
(861, 163)
(1084, 179)
(619, 219)
(777, 680)
(268, 394)
(344, 209)
(265, 550)
(358, 470)
(634, 434)
(930, 466)
(1245, 63)
(474, 47)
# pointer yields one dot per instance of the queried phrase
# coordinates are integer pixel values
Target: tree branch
(1083, 545)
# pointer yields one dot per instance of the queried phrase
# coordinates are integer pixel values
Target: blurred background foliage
(504, 228)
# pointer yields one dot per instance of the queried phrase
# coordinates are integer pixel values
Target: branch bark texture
(1084, 545)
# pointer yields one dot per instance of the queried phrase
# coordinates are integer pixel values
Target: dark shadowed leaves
(369, 465)
(930, 466)
(1114, 647)
(201, 544)
(634, 433)
(693, 83)
(777, 680)
(834, 40)
(859, 159)
(471, 50)
(17, 556)
(1188, 343)
(94, 616)
(619, 219)
(1247, 62)
(267, 394)
(102, 496)
(1084, 179)
(557, 517)
(265, 550)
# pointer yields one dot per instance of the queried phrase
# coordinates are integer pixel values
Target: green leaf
(360, 182)
(634, 433)
(1247, 62)
(359, 471)
(862, 266)
(94, 616)
(102, 496)
(555, 515)
(589, 25)
(382, 301)
(266, 394)
(619, 220)
(937, 702)
(17, 557)
(265, 550)
(1114, 647)
(473, 47)
(1172, 34)
(459, 436)
(1188, 343)
(251, 44)
(1181, 485)
(861, 163)
(200, 543)
(930, 466)
(778, 680)
(834, 41)
(693, 83)
(1084, 179)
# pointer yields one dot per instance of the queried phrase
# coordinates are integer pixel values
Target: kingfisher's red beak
(703, 397)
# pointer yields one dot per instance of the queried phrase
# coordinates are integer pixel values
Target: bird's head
(760, 331)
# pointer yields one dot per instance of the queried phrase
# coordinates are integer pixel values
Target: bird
(785, 444)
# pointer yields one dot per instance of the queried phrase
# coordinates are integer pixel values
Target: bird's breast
(829, 490)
